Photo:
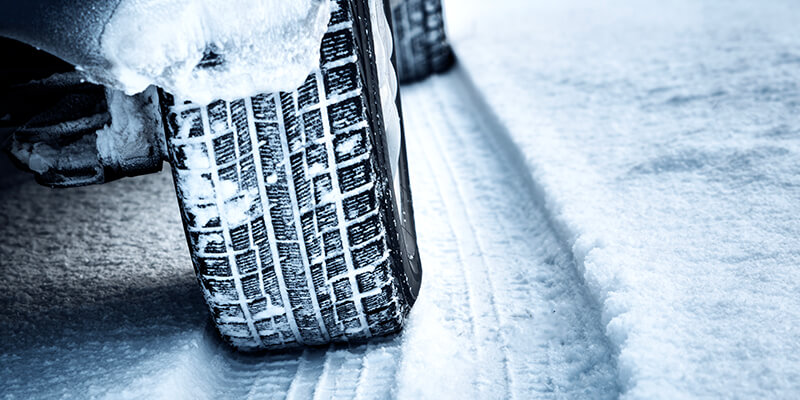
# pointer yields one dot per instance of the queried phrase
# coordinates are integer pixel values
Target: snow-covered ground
(664, 141)
(607, 197)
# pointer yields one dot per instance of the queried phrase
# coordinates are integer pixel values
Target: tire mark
(485, 314)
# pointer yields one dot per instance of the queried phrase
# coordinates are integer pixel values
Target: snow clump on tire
(202, 50)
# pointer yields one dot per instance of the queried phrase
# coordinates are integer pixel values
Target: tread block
(332, 240)
(312, 124)
(336, 46)
(340, 13)
(341, 80)
(310, 237)
(246, 262)
(271, 285)
(259, 231)
(264, 327)
(249, 178)
(271, 150)
(264, 108)
(384, 315)
(257, 306)
(308, 94)
(323, 186)
(369, 254)
(359, 205)
(240, 237)
(214, 266)
(355, 176)
(195, 120)
(342, 289)
(283, 221)
(365, 282)
(382, 272)
(230, 174)
(374, 303)
(345, 114)
(245, 146)
(237, 331)
(317, 157)
(190, 154)
(251, 286)
(335, 266)
(221, 288)
(225, 149)
(302, 186)
(350, 145)
(218, 117)
(363, 231)
(346, 311)
(208, 242)
(326, 217)
(291, 126)
(239, 118)
(352, 324)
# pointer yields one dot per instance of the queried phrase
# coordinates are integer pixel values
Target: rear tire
(421, 42)
(288, 204)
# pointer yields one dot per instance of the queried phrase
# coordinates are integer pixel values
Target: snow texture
(135, 129)
(663, 138)
(206, 50)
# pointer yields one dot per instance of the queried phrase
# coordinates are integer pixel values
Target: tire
(288, 204)
(421, 41)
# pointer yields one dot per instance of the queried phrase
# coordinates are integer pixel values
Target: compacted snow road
(98, 298)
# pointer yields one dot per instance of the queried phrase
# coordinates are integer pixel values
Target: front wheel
(289, 207)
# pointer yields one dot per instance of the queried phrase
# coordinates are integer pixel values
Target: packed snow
(663, 138)
(206, 50)
(135, 128)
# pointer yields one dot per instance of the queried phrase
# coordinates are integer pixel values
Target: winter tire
(289, 206)
(421, 42)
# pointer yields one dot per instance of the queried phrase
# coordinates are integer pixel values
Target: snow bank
(663, 139)
(209, 49)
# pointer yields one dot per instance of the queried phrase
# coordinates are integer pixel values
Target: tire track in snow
(492, 379)
(548, 330)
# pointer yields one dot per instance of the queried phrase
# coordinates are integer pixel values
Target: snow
(258, 46)
(662, 138)
(134, 123)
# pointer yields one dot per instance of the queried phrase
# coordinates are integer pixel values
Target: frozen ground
(607, 199)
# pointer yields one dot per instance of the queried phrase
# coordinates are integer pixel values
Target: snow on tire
(288, 205)
(421, 42)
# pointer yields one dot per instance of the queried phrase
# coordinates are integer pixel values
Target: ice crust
(253, 46)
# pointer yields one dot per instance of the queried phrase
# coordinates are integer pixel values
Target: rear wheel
(421, 42)
(289, 204)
